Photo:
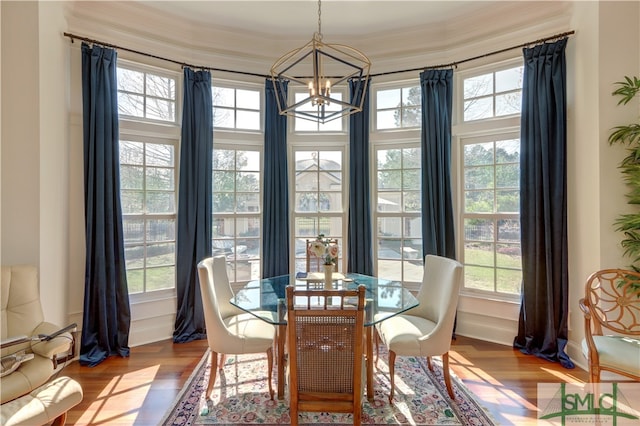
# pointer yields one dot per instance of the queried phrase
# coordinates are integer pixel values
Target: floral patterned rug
(241, 396)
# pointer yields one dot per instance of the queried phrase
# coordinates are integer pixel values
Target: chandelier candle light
(319, 67)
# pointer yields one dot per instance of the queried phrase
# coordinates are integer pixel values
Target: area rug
(241, 396)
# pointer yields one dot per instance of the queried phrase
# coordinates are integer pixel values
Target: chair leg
(392, 362)
(595, 390)
(377, 342)
(270, 369)
(223, 358)
(61, 420)
(429, 363)
(357, 414)
(274, 346)
(594, 373)
(212, 374)
(447, 375)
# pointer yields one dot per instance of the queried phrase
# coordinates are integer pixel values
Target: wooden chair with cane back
(326, 345)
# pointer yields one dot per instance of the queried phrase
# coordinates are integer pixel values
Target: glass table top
(266, 297)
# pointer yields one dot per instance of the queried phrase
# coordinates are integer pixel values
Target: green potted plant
(629, 136)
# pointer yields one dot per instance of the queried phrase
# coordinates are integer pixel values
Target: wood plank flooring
(139, 389)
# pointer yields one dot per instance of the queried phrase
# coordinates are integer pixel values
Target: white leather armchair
(22, 316)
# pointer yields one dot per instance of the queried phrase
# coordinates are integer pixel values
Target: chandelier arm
(287, 56)
(352, 52)
(344, 62)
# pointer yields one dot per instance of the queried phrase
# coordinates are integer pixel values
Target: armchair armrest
(61, 344)
(588, 332)
(584, 308)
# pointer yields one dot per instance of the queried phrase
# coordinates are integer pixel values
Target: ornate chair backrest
(612, 297)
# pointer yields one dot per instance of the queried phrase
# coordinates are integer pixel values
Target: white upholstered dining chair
(426, 330)
(230, 330)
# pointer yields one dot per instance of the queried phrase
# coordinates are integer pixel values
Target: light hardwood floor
(139, 389)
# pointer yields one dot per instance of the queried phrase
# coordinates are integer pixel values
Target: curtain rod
(137, 52)
(449, 65)
(496, 52)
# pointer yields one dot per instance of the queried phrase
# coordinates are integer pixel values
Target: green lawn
(158, 278)
(507, 276)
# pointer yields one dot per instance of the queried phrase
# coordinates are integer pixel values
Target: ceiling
(250, 35)
(299, 18)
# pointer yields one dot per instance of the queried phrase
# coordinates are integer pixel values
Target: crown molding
(135, 26)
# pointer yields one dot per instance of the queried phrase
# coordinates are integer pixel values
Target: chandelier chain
(319, 20)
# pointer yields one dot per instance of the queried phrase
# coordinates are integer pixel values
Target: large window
(318, 199)
(492, 254)
(396, 172)
(490, 180)
(148, 194)
(148, 175)
(236, 211)
(487, 117)
(397, 216)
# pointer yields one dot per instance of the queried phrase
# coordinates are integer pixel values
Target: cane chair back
(326, 344)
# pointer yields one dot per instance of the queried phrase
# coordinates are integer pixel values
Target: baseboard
(151, 330)
(487, 328)
(142, 331)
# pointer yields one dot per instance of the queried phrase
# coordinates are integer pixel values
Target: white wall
(0, 135)
(583, 178)
(605, 50)
(20, 133)
(54, 161)
(34, 150)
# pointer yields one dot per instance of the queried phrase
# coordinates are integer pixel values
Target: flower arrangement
(325, 249)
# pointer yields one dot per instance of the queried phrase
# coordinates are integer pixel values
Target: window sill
(152, 297)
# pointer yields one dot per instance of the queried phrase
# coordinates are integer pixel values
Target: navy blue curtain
(193, 237)
(360, 250)
(275, 225)
(542, 329)
(438, 235)
(107, 317)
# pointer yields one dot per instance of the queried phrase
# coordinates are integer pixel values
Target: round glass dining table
(265, 298)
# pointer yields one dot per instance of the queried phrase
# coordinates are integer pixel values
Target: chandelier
(312, 74)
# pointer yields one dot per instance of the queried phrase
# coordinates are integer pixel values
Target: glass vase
(328, 276)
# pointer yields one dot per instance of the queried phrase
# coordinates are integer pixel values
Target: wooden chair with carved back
(611, 308)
